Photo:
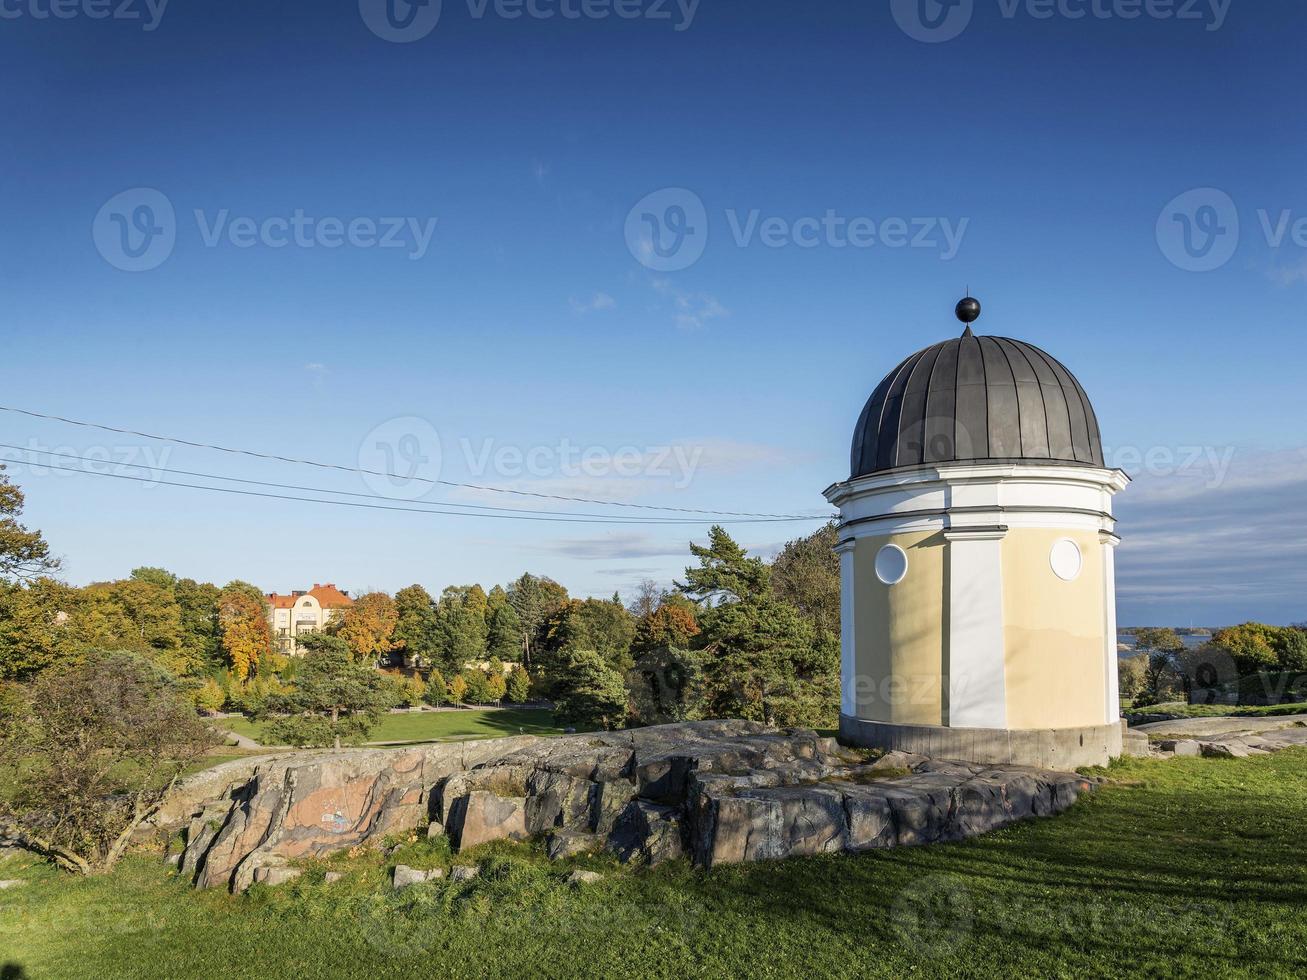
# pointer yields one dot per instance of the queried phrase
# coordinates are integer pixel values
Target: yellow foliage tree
(246, 637)
(368, 626)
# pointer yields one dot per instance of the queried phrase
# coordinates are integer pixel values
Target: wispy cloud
(617, 546)
(595, 304)
(691, 310)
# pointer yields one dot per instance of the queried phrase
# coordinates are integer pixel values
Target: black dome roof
(976, 399)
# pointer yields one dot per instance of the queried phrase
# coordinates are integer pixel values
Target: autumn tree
(666, 680)
(368, 626)
(458, 689)
(24, 554)
(243, 622)
(94, 748)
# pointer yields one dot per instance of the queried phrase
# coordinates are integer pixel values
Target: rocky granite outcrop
(1224, 738)
(718, 792)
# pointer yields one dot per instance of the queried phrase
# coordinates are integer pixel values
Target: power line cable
(339, 493)
(643, 521)
(396, 476)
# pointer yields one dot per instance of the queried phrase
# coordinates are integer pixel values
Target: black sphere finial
(968, 311)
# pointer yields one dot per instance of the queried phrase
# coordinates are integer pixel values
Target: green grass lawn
(1185, 710)
(436, 726)
(1193, 867)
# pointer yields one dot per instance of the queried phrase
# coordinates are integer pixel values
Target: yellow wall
(1053, 632)
(899, 631)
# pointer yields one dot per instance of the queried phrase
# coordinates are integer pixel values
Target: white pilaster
(848, 652)
(976, 678)
(1111, 680)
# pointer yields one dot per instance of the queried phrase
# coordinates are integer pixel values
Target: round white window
(1065, 559)
(891, 564)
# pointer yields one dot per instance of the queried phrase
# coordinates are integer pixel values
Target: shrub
(95, 748)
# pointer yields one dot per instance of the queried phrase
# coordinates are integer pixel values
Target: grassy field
(1186, 868)
(437, 726)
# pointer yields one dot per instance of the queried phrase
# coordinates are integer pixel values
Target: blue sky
(1030, 157)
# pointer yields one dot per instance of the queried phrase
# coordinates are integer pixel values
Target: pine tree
(590, 695)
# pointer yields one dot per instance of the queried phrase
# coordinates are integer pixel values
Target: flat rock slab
(1209, 727)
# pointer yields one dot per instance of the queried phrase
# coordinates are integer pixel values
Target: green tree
(478, 686)
(461, 626)
(763, 660)
(335, 699)
(1290, 646)
(518, 688)
(39, 627)
(1161, 645)
(590, 694)
(725, 572)
(504, 633)
(1250, 644)
(535, 599)
(24, 554)
(590, 624)
(437, 691)
(94, 749)
(416, 629)
(201, 635)
(806, 574)
(762, 663)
